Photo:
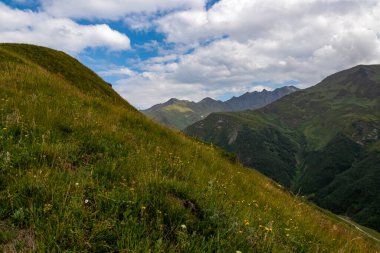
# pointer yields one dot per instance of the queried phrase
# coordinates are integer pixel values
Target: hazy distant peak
(186, 113)
(173, 100)
(207, 99)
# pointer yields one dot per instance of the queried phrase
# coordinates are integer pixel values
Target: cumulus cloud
(59, 33)
(113, 9)
(208, 72)
(258, 42)
(232, 47)
(148, 89)
(120, 71)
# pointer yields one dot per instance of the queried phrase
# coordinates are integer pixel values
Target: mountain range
(181, 113)
(81, 170)
(321, 142)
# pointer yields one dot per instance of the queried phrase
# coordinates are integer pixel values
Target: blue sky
(152, 50)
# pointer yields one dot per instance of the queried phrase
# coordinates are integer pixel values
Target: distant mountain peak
(355, 73)
(207, 99)
(190, 112)
(362, 72)
(172, 101)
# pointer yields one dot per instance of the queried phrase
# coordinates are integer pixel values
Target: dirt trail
(358, 228)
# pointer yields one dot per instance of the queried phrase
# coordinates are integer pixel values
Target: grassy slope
(308, 141)
(181, 113)
(175, 116)
(81, 170)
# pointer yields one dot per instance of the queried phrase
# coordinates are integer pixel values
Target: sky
(153, 50)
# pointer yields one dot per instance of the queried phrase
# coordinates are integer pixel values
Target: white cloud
(59, 33)
(265, 42)
(231, 48)
(260, 88)
(113, 9)
(149, 88)
(120, 71)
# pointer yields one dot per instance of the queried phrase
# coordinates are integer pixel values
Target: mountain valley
(321, 142)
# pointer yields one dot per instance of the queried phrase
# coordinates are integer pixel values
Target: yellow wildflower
(47, 208)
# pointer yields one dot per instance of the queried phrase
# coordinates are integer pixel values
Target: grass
(178, 108)
(83, 171)
(372, 234)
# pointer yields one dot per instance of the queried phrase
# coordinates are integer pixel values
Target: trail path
(358, 228)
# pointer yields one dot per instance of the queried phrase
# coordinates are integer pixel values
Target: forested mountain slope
(322, 142)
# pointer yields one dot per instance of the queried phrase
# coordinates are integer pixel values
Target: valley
(321, 142)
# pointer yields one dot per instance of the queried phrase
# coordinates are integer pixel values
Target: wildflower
(183, 226)
(270, 225)
(86, 201)
(7, 157)
(47, 208)
(268, 229)
(246, 222)
(76, 184)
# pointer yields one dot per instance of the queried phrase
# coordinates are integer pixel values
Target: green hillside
(322, 142)
(179, 114)
(83, 171)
